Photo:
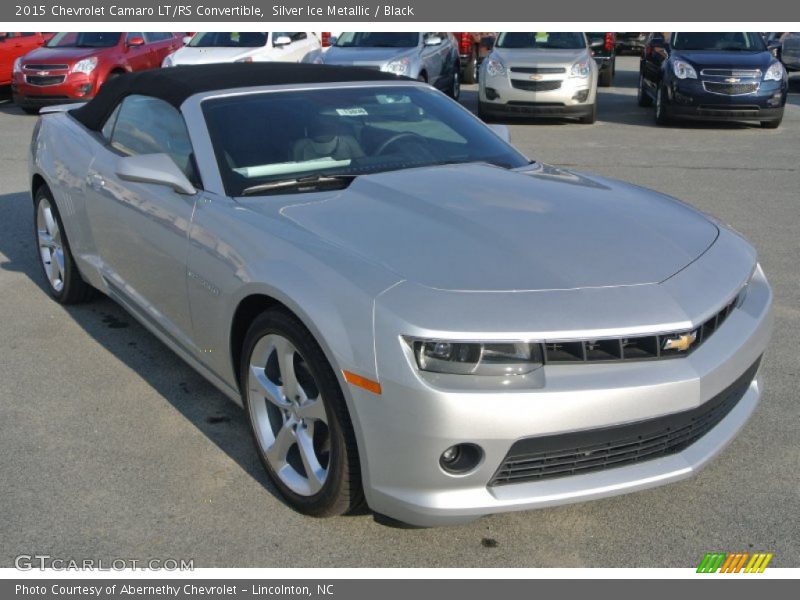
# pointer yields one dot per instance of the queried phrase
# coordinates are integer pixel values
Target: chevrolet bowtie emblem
(536, 77)
(43, 73)
(681, 343)
(732, 80)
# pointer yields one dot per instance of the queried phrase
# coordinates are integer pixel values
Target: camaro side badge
(682, 342)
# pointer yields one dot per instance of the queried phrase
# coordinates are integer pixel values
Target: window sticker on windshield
(541, 36)
(235, 36)
(352, 112)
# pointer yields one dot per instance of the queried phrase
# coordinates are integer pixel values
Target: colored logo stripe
(734, 563)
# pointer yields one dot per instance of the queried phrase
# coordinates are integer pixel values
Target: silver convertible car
(412, 313)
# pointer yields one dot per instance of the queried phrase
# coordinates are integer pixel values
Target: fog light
(491, 94)
(461, 458)
(581, 96)
(84, 89)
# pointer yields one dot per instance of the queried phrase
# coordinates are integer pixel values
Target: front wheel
(606, 76)
(642, 96)
(662, 118)
(64, 281)
(773, 124)
(298, 417)
(591, 117)
(471, 69)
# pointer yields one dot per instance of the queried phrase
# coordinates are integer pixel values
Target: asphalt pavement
(112, 447)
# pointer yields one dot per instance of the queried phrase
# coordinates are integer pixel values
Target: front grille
(38, 67)
(634, 347)
(547, 457)
(742, 73)
(540, 70)
(43, 80)
(535, 86)
(730, 89)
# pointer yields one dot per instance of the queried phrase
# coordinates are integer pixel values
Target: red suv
(71, 67)
(12, 46)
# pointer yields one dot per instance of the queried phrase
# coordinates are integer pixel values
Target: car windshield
(553, 40)
(85, 39)
(751, 42)
(377, 39)
(264, 138)
(229, 39)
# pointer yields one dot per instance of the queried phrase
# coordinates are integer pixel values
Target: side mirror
(500, 131)
(134, 42)
(433, 40)
(774, 46)
(487, 42)
(186, 39)
(158, 169)
(597, 43)
(282, 40)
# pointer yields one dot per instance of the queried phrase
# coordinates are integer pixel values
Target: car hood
(364, 56)
(482, 228)
(718, 59)
(62, 55)
(536, 57)
(199, 56)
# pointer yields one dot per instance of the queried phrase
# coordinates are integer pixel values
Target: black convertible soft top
(175, 84)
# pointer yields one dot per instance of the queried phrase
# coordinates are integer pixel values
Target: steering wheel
(400, 136)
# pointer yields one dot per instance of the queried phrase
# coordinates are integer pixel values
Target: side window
(147, 125)
(156, 36)
(298, 35)
(108, 128)
(130, 36)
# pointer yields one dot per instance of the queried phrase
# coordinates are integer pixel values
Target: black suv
(712, 76)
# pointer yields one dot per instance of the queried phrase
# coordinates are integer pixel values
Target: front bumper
(404, 431)
(574, 97)
(689, 99)
(76, 87)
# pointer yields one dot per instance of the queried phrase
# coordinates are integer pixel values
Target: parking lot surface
(114, 448)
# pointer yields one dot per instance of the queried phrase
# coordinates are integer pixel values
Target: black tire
(74, 289)
(591, 117)
(606, 76)
(471, 69)
(642, 97)
(662, 115)
(773, 124)
(30, 110)
(423, 77)
(455, 86)
(483, 115)
(342, 491)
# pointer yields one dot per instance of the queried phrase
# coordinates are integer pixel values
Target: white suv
(244, 46)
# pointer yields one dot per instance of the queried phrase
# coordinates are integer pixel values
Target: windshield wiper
(301, 184)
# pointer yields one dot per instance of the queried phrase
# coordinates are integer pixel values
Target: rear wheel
(298, 417)
(63, 279)
(30, 110)
(606, 75)
(455, 88)
(471, 69)
(773, 124)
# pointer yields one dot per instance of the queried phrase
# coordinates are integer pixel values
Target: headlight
(168, 61)
(742, 295)
(683, 70)
(775, 72)
(17, 68)
(495, 66)
(460, 358)
(580, 69)
(85, 66)
(398, 67)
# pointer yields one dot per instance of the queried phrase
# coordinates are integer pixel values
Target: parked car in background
(72, 66)
(723, 76)
(430, 56)
(632, 42)
(604, 51)
(244, 46)
(787, 46)
(413, 314)
(473, 47)
(542, 74)
(12, 46)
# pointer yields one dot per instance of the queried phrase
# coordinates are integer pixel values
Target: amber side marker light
(362, 382)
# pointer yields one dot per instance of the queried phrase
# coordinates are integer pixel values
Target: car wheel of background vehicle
(63, 279)
(641, 96)
(774, 124)
(661, 109)
(29, 110)
(298, 417)
(423, 78)
(483, 115)
(471, 69)
(591, 117)
(455, 88)
(606, 76)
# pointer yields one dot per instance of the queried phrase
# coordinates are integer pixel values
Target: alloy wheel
(51, 249)
(288, 415)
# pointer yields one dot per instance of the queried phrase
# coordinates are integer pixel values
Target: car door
(291, 52)
(434, 57)
(137, 57)
(145, 258)
(12, 46)
(160, 44)
(656, 52)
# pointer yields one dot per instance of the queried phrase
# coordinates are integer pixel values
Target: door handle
(96, 182)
